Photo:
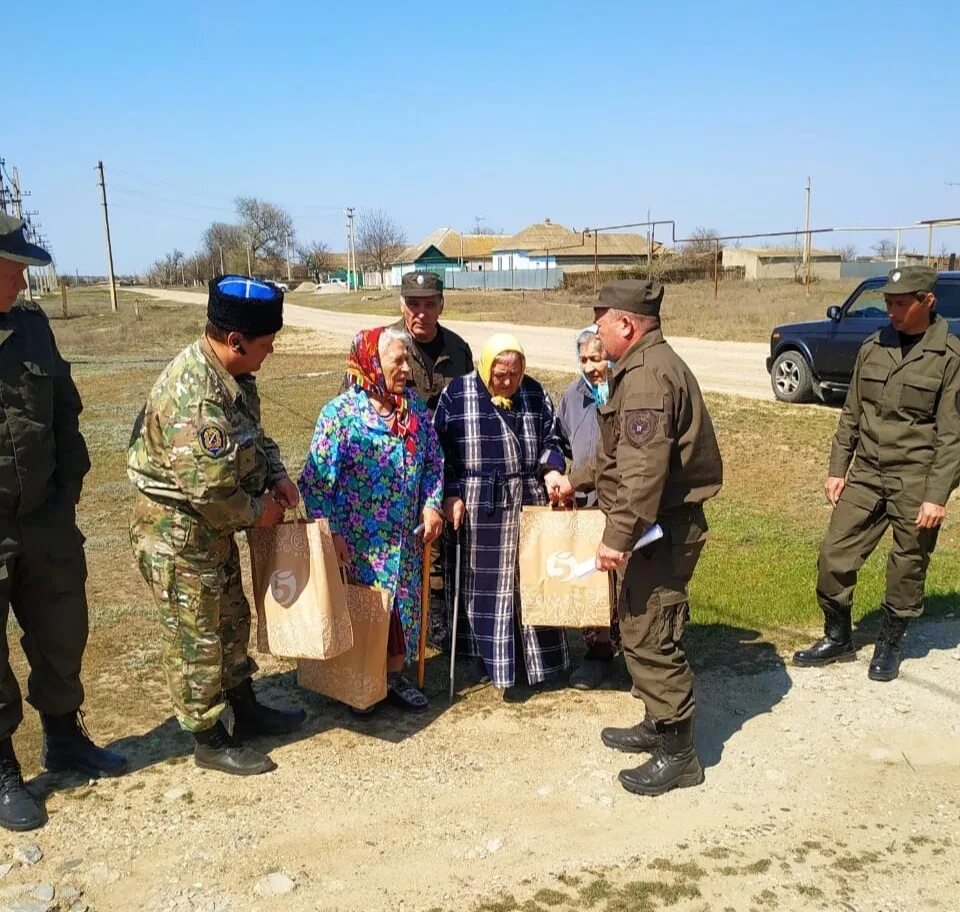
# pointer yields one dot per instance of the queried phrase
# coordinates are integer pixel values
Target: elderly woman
(502, 449)
(375, 471)
(578, 419)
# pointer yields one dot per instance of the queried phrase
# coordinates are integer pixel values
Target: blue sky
(590, 114)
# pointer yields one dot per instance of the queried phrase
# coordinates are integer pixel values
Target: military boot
(216, 750)
(67, 746)
(885, 664)
(252, 718)
(836, 644)
(18, 808)
(674, 763)
(642, 738)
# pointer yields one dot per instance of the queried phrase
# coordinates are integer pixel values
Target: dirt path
(721, 367)
(823, 791)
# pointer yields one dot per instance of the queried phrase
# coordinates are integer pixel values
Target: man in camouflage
(895, 461)
(204, 469)
(43, 459)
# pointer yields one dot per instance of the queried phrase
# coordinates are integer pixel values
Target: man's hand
(551, 481)
(608, 559)
(930, 515)
(833, 488)
(286, 494)
(271, 512)
(432, 524)
(341, 549)
(454, 509)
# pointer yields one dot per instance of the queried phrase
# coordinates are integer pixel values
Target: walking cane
(424, 615)
(456, 611)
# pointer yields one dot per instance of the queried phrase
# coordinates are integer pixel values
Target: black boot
(18, 808)
(836, 644)
(642, 738)
(67, 746)
(216, 750)
(885, 664)
(674, 763)
(252, 718)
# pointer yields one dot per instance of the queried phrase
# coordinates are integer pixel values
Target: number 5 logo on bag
(284, 587)
(561, 565)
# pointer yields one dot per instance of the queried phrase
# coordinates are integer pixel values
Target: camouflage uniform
(200, 461)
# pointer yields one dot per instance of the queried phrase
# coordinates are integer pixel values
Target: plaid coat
(494, 460)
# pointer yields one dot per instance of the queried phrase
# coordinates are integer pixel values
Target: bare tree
(848, 253)
(267, 228)
(703, 240)
(316, 258)
(226, 239)
(379, 239)
(885, 248)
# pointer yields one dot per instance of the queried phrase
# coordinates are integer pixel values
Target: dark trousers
(654, 609)
(867, 507)
(42, 575)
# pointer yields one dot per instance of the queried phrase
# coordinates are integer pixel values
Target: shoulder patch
(213, 441)
(640, 426)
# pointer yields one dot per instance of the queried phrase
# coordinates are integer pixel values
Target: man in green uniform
(437, 356)
(657, 462)
(43, 459)
(204, 469)
(894, 462)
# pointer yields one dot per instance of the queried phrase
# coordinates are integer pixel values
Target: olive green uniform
(899, 439)
(657, 461)
(43, 459)
(430, 380)
(200, 461)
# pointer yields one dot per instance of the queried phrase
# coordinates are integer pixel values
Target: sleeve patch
(213, 441)
(640, 426)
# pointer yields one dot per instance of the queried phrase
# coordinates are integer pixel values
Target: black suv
(817, 358)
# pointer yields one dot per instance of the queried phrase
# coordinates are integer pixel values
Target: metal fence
(504, 279)
(855, 270)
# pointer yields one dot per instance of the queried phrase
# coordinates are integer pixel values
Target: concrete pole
(106, 231)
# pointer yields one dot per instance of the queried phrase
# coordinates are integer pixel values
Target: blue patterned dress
(372, 489)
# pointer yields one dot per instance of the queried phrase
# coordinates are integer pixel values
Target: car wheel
(791, 378)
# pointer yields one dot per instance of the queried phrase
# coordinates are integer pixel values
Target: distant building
(547, 245)
(446, 249)
(782, 262)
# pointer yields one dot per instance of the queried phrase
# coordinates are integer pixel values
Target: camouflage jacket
(42, 452)
(198, 445)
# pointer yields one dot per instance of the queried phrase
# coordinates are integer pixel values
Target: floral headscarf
(365, 372)
(498, 344)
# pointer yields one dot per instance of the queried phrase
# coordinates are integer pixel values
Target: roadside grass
(743, 311)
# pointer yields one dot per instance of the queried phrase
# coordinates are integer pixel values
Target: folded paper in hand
(653, 534)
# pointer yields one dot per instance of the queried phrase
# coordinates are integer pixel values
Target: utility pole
(223, 272)
(289, 275)
(806, 245)
(3, 191)
(106, 232)
(351, 254)
(16, 197)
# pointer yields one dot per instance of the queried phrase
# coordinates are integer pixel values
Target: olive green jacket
(901, 418)
(42, 451)
(456, 360)
(658, 454)
(198, 444)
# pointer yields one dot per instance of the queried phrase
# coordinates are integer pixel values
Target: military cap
(15, 246)
(909, 279)
(639, 296)
(421, 285)
(240, 304)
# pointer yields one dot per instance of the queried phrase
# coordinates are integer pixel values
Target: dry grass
(743, 312)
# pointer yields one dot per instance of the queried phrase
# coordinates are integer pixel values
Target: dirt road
(721, 367)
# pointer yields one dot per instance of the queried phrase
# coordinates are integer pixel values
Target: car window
(869, 304)
(948, 300)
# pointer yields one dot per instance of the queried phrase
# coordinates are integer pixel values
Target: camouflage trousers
(194, 574)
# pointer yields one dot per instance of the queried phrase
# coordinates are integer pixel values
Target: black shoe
(67, 746)
(216, 750)
(885, 664)
(19, 810)
(642, 738)
(252, 718)
(836, 644)
(400, 692)
(674, 764)
(591, 674)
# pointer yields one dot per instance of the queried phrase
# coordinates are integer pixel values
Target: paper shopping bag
(357, 677)
(555, 546)
(298, 591)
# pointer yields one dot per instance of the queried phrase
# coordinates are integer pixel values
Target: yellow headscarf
(495, 346)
